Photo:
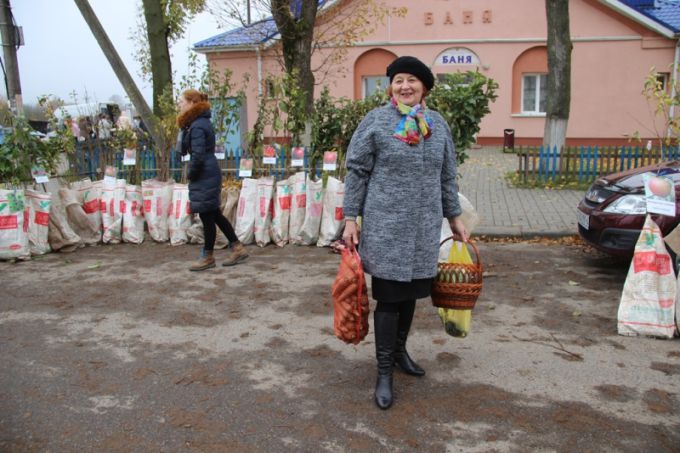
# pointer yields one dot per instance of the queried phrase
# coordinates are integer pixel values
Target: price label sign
(129, 156)
(39, 174)
(330, 160)
(297, 156)
(220, 152)
(269, 153)
(245, 169)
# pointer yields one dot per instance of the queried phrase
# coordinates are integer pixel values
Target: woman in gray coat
(401, 180)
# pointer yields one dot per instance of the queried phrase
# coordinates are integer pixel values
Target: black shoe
(385, 325)
(383, 392)
(401, 357)
(407, 365)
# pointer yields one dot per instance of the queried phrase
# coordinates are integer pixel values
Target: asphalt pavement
(510, 211)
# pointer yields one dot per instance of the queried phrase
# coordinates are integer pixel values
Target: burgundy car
(613, 211)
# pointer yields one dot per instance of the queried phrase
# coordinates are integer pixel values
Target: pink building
(616, 43)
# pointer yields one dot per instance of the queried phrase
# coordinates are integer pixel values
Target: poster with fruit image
(129, 156)
(297, 156)
(330, 160)
(220, 150)
(269, 153)
(245, 168)
(659, 194)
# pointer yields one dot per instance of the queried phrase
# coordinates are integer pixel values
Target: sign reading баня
(457, 56)
(466, 18)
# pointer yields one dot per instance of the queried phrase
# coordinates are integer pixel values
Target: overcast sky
(61, 54)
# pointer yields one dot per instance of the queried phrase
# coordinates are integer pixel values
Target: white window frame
(364, 84)
(537, 102)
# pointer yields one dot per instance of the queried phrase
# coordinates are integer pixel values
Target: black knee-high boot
(401, 357)
(385, 324)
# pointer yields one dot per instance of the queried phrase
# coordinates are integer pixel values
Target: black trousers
(210, 219)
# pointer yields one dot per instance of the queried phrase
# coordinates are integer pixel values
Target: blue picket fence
(584, 164)
(92, 157)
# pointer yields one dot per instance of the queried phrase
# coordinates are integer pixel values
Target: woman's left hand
(458, 229)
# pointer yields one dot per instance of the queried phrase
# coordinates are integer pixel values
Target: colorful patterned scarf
(413, 123)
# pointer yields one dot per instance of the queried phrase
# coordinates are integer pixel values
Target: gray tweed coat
(402, 193)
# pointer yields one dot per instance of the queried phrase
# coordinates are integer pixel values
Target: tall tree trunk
(297, 33)
(161, 66)
(559, 73)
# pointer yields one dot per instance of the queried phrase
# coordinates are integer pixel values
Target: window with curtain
(371, 84)
(534, 87)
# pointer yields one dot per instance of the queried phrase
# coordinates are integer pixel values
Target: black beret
(411, 65)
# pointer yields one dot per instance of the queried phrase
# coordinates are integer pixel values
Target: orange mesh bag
(350, 299)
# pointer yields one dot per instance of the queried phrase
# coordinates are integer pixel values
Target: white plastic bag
(309, 233)
(133, 215)
(298, 184)
(89, 194)
(38, 221)
(281, 215)
(245, 217)
(470, 219)
(113, 200)
(647, 304)
(332, 216)
(14, 225)
(263, 215)
(157, 196)
(179, 215)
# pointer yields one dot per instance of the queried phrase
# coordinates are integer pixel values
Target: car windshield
(635, 181)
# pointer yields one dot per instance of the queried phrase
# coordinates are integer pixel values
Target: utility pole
(11, 40)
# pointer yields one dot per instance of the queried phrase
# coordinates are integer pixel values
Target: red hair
(194, 96)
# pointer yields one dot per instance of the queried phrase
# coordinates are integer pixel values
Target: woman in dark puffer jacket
(205, 177)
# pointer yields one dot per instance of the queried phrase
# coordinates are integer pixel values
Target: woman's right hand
(351, 234)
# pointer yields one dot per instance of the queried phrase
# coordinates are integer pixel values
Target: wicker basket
(457, 285)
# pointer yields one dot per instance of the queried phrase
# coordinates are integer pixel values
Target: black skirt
(392, 291)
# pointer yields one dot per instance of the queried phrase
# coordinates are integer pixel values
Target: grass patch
(514, 179)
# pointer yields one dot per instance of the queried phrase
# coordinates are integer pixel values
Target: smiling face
(407, 89)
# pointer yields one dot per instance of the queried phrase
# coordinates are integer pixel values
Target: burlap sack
(78, 219)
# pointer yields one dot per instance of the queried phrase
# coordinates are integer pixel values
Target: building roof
(665, 12)
(247, 36)
(662, 16)
(252, 35)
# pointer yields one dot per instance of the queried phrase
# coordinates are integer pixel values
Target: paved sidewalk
(508, 211)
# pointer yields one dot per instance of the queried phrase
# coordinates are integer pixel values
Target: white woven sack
(298, 184)
(332, 216)
(648, 300)
(263, 213)
(157, 196)
(179, 215)
(13, 225)
(133, 215)
(113, 200)
(309, 234)
(281, 217)
(38, 221)
(245, 216)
